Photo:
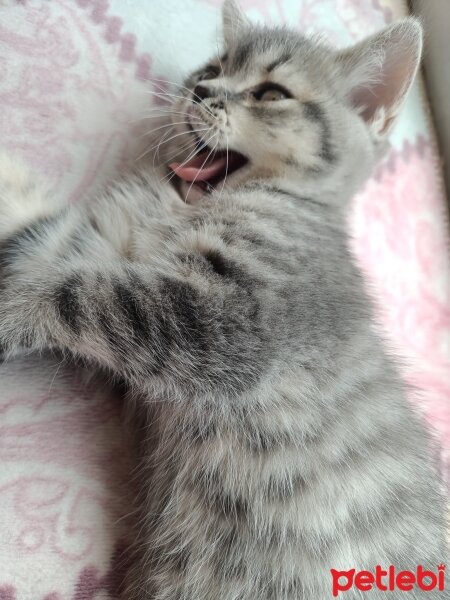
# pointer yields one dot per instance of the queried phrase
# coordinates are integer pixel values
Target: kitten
(280, 443)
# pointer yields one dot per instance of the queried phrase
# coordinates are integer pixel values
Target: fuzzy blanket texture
(74, 82)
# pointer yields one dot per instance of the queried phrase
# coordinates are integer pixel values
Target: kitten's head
(277, 105)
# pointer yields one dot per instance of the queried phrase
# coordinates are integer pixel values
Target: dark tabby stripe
(226, 267)
(304, 199)
(201, 433)
(131, 305)
(291, 161)
(209, 485)
(264, 441)
(175, 559)
(242, 56)
(228, 552)
(133, 310)
(67, 303)
(218, 263)
(227, 564)
(284, 58)
(229, 506)
(184, 307)
(314, 112)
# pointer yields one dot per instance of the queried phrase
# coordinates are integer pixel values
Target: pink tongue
(195, 169)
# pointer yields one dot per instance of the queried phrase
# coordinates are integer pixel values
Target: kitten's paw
(24, 197)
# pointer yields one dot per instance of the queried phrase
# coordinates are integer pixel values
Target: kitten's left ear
(235, 22)
(378, 73)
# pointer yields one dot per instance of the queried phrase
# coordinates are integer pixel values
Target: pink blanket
(73, 92)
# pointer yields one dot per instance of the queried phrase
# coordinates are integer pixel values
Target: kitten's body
(281, 444)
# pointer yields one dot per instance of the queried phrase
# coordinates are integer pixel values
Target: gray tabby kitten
(280, 443)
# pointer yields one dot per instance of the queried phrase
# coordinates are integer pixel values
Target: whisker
(169, 125)
(196, 100)
(226, 170)
(203, 164)
(166, 94)
(173, 97)
(182, 148)
(166, 99)
(179, 85)
(192, 154)
(161, 114)
(147, 151)
(169, 176)
(186, 146)
(149, 132)
(182, 133)
(156, 154)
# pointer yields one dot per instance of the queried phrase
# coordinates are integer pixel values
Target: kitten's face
(257, 101)
(274, 106)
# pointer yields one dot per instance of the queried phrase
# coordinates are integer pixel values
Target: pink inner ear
(388, 78)
(387, 92)
(367, 103)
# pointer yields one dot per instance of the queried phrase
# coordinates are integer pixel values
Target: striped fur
(280, 444)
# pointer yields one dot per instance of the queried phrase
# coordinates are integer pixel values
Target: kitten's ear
(234, 21)
(379, 71)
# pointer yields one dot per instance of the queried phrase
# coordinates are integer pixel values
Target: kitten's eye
(210, 72)
(272, 96)
(271, 93)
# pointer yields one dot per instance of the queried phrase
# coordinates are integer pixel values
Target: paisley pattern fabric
(77, 78)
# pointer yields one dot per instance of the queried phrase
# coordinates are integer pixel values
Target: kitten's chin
(191, 194)
(205, 175)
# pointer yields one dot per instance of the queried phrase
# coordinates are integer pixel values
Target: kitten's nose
(201, 92)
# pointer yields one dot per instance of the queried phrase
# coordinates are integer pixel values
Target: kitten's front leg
(43, 244)
(184, 317)
(25, 200)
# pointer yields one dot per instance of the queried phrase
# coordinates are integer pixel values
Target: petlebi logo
(388, 580)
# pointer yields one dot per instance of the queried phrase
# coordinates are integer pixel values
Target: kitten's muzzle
(209, 166)
(203, 92)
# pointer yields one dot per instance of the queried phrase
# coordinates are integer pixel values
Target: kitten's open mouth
(208, 169)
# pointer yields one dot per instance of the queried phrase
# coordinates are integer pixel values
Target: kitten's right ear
(379, 71)
(235, 23)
